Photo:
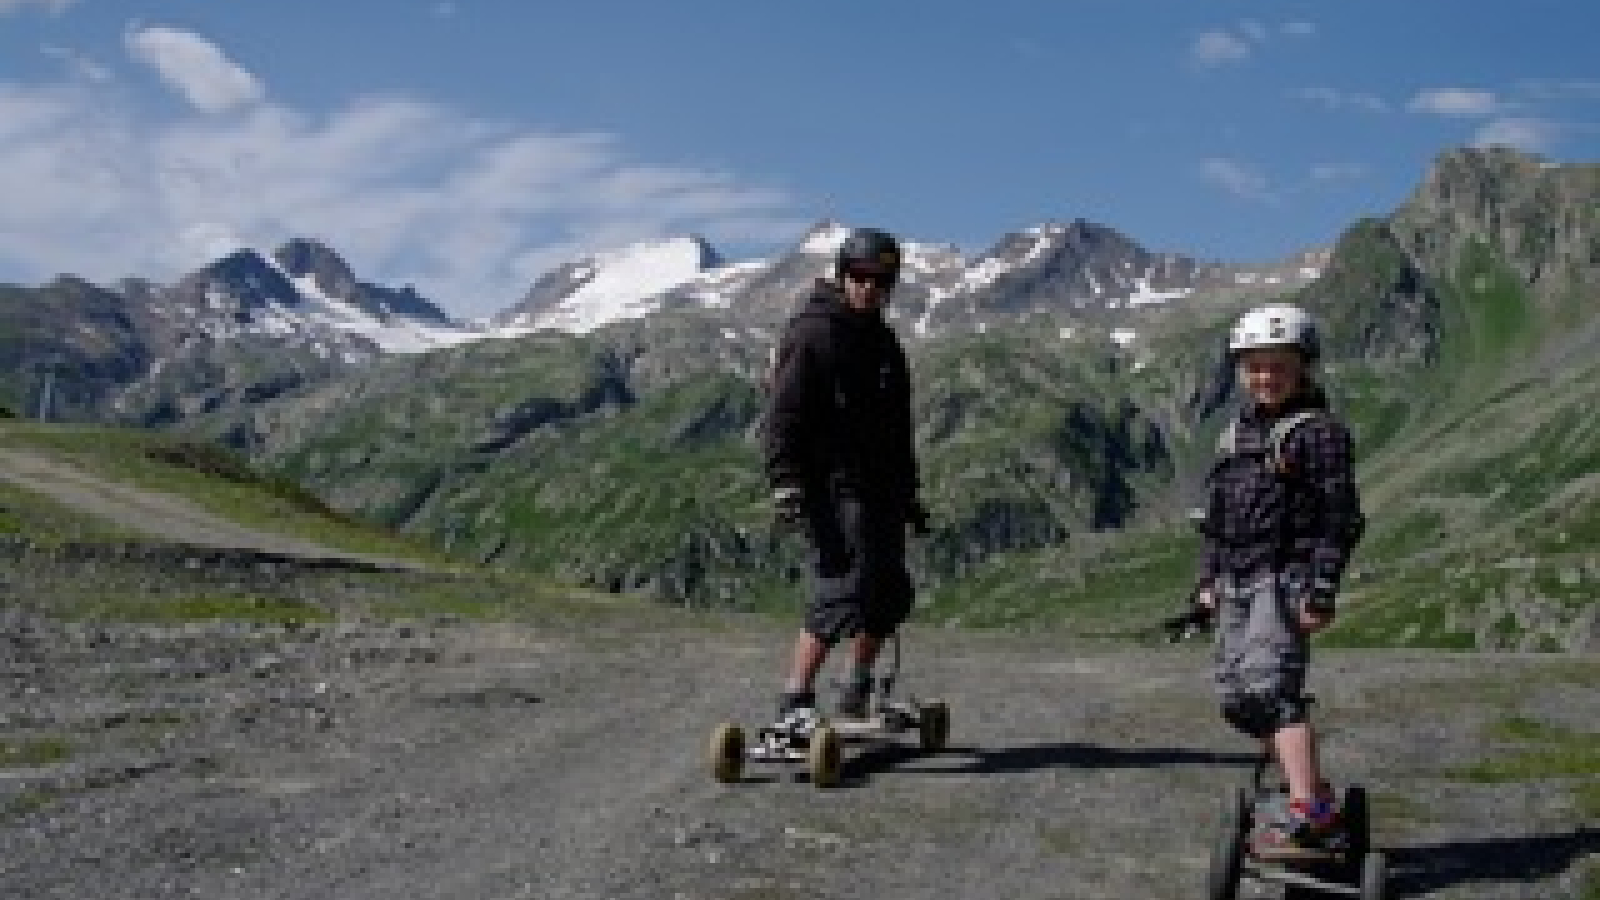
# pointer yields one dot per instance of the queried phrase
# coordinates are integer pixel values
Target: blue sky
(465, 146)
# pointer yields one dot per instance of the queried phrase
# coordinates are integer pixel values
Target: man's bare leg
(866, 650)
(806, 660)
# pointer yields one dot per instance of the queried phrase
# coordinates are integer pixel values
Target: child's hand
(1313, 620)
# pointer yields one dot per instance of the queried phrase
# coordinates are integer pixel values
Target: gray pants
(1261, 653)
(859, 581)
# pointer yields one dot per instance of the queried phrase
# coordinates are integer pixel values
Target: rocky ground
(563, 756)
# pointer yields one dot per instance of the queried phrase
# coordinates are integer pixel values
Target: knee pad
(1261, 716)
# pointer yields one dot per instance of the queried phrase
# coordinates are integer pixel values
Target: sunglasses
(879, 279)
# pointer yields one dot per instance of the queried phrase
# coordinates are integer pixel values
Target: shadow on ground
(1421, 870)
(1032, 758)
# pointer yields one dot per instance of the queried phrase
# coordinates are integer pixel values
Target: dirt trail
(528, 762)
(160, 516)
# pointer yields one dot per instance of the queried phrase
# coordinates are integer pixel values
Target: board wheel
(825, 757)
(933, 726)
(1227, 854)
(727, 753)
(1356, 817)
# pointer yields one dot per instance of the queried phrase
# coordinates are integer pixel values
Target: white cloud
(470, 211)
(1220, 46)
(1532, 135)
(212, 240)
(1337, 171)
(79, 64)
(1215, 48)
(51, 6)
(1333, 98)
(1541, 89)
(1238, 179)
(1455, 102)
(194, 67)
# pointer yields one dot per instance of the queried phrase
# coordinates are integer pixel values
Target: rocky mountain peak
(1498, 196)
(243, 280)
(823, 238)
(710, 257)
(303, 257)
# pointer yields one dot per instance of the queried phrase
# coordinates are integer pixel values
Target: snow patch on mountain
(825, 240)
(1144, 294)
(619, 284)
(714, 288)
(920, 259)
(985, 272)
(397, 334)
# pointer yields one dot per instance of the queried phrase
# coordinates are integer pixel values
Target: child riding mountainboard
(1282, 516)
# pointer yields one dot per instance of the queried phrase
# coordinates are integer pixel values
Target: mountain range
(146, 351)
(1069, 385)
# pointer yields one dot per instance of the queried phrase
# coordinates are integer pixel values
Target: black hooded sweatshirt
(839, 404)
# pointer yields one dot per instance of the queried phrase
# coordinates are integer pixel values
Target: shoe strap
(1319, 812)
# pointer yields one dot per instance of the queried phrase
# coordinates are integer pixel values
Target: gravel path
(158, 515)
(567, 760)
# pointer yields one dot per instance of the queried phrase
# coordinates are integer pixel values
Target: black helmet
(870, 250)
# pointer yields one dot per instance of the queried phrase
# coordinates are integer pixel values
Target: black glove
(917, 518)
(787, 505)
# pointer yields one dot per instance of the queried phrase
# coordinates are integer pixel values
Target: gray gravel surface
(568, 760)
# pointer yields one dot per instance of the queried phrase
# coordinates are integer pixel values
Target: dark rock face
(328, 270)
(240, 286)
(68, 346)
(334, 278)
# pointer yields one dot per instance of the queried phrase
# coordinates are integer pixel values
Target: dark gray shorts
(859, 581)
(1260, 649)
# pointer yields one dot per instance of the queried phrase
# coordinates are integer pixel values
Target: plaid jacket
(1309, 516)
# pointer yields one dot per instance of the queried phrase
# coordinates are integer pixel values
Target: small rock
(819, 839)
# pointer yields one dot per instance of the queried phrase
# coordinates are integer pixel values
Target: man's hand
(787, 505)
(917, 518)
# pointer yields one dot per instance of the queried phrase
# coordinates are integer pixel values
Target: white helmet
(1278, 325)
